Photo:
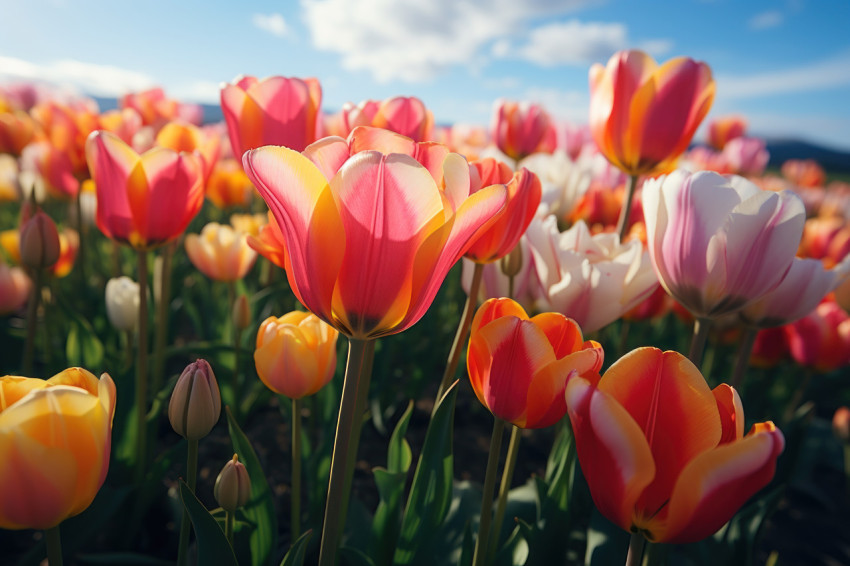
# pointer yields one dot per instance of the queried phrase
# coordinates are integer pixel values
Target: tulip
(195, 403)
(180, 136)
(718, 244)
(522, 128)
(746, 156)
(122, 303)
(296, 354)
(372, 224)
(821, 339)
(220, 252)
(152, 105)
(10, 186)
(55, 438)
(123, 122)
(405, 115)
(518, 366)
(14, 288)
(804, 172)
(642, 115)
(17, 129)
(269, 243)
(66, 127)
(143, 200)
(276, 110)
(40, 245)
(232, 490)
(664, 455)
(250, 224)
(591, 279)
(723, 130)
(53, 166)
(228, 186)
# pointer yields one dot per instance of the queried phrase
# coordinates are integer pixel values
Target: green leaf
(431, 492)
(350, 556)
(260, 508)
(296, 554)
(467, 548)
(399, 455)
(213, 548)
(82, 347)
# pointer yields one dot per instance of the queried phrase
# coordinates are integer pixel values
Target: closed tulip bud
(122, 303)
(195, 403)
(511, 264)
(241, 312)
(232, 486)
(39, 242)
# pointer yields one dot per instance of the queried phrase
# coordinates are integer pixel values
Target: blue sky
(784, 65)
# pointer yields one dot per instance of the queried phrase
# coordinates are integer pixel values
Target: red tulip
(521, 128)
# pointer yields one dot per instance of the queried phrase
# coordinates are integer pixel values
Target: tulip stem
(237, 341)
(636, 545)
(228, 526)
(191, 482)
(54, 546)
(798, 395)
(479, 556)
(162, 308)
(462, 332)
(355, 385)
(743, 360)
(128, 352)
(623, 221)
(81, 250)
(142, 369)
(701, 326)
(504, 488)
(32, 321)
(296, 470)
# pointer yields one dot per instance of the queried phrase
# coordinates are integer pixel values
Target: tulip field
(363, 337)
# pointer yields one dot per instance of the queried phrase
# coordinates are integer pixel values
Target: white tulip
(122, 303)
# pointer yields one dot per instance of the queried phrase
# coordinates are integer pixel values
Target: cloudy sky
(783, 64)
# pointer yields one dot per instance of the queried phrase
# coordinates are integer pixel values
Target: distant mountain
(781, 150)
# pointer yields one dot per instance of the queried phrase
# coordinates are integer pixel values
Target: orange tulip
(17, 129)
(143, 200)
(372, 225)
(723, 130)
(124, 123)
(642, 115)
(55, 438)
(524, 192)
(181, 136)
(269, 243)
(66, 127)
(220, 252)
(804, 172)
(518, 366)
(276, 110)
(296, 354)
(663, 454)
(520, 128)
(228, 185)
(152, 105)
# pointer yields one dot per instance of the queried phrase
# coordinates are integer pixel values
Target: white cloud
(414, 40)
(822, 75)
(573, 43)
(90, 78)
(766, 20)
(204, 92)
(271, 23)
(569, 105)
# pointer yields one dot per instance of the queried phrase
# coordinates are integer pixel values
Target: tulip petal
(328, 154)
(731, 413)
(612, 450)
(713, 486)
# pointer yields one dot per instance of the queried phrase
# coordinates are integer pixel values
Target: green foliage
(213, 548)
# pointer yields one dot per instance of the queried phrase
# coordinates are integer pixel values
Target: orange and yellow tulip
(272, 111)
(185, 137)
(642, 115)
(295, 354)
(143, 200)
(269, 242)
(723, 130)
(220, 252)
(372, 224)
(55, 438)
(518, 366)
(228, 186)
(524, 192)
(663, 454)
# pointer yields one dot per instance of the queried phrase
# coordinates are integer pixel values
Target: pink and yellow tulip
(220, 252)
(55, 438)
(663, 454)
(372, 224)
(725, 129)
(642, 115)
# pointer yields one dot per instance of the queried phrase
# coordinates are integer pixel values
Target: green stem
(701, 326)
(623, 221)
(142, 369)
(237, 339)
(296, 469)
(355, 383)
(128, 350)
(162, 309)
(81, 251)
(504, 488)
(32, 321)
(462, 332)
(54, 546)
(798, 395)
(743, 360)
(636, 545)
(191, 481)
(228, 526)
(479, 556)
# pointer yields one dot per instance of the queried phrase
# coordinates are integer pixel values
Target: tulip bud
(511, 264)
(122, 303)
(39, 242)
(195, 403)
(241, 312)
(232, 488)
(841, 424)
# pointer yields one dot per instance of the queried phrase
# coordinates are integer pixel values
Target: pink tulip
(821, 339)
(14, 288)
(746, 156)
(372, 224)
(405, 115)
(719, 243)
(272, 111)
(521, 128)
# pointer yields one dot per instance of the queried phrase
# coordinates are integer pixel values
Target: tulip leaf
(260, 508)
(82, 347)
(350, 556)
(213, 547)
(431, 492)
(399, 455)
(296, 554)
